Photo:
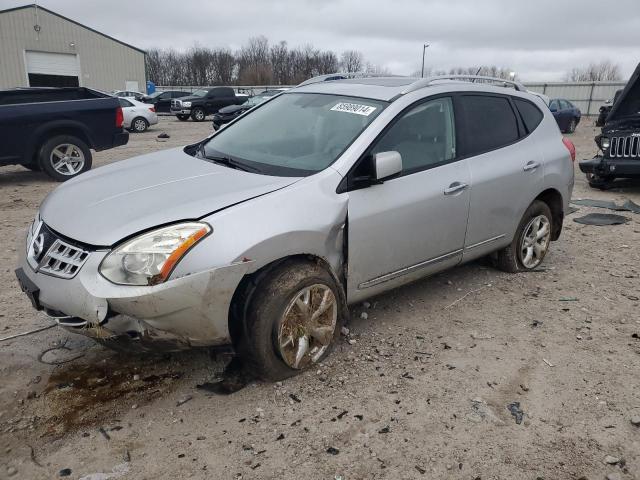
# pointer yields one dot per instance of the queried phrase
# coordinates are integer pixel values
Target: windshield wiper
(231, 163)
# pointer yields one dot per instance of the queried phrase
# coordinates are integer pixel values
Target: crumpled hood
(105, 205)
(627, 105)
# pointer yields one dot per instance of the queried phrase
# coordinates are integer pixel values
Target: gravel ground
(420, 388)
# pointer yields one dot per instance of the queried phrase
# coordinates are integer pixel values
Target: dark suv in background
(162, 100)
(205, 102)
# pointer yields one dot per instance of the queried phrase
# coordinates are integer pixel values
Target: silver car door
(506, 170)
(412, 225)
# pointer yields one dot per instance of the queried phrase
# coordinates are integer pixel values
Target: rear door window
(490, 123)
(530, 114)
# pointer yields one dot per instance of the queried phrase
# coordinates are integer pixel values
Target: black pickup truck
(53, 129)
(205, 102)
(619, 141)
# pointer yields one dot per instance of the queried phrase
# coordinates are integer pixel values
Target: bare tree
(254, 66)
(351, 61)
(595, 72)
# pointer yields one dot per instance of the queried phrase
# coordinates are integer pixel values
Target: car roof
(390, 88)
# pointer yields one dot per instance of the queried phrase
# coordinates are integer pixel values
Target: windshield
(200, 93)
(295, 134)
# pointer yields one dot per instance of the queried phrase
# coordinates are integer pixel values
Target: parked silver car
(137, 116)
(261, 235)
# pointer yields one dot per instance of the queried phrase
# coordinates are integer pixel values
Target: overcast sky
(539, 40)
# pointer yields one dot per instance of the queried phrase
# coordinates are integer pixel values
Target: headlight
(186, 104)
(605, 143)
(150, 258)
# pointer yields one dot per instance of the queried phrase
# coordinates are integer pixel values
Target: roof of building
(33, 5)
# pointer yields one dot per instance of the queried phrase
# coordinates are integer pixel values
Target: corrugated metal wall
(105, 64)
(587, 96)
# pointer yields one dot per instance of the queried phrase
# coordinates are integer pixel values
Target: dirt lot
(421, 391)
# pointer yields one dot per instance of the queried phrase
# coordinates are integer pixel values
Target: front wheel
(198, 115)
(64, 157)
(531, 241)
(182, 117)
(292, 321)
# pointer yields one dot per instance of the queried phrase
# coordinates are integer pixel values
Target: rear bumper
(120, 138)
(618, 167)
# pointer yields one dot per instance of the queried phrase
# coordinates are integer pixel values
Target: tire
(62, 168)
(571, 128)
(182, 118)
(139, 125)
(265, 324)
(513, 258)
(198, 115)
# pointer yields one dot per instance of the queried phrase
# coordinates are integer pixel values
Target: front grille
(48, 253)
(625, 147)
(177, 104)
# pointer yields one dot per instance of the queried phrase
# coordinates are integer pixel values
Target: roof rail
(343, 76)
(425, 82)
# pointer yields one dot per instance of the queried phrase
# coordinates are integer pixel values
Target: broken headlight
(150, 258)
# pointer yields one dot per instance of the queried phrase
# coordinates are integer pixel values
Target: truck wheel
(198, 115)
(531, 241)
(64, 156)
(183, 118)
(293, 318)
(139, 125)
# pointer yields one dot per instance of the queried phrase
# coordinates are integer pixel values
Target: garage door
(46, 69)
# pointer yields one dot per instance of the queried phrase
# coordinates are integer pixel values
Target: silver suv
(260, 236)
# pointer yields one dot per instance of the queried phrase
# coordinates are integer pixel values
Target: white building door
(46, 69)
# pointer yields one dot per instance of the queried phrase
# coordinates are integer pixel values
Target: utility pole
(424, 50)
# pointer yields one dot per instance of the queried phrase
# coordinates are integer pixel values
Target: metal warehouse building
(39, 47)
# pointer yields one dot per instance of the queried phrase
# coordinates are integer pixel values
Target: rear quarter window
(530, 114)
(490, 123)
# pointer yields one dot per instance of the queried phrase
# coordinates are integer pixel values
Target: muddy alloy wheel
(307, 326)
(64, 156)
(198, 115)
(535, 241)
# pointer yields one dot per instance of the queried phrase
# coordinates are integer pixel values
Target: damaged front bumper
(611, 167)
(178, 314)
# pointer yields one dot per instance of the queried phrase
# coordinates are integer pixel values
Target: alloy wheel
(67, 159)
(307, 326)
(535, 241)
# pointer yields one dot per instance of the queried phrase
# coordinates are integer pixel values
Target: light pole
(424, 49)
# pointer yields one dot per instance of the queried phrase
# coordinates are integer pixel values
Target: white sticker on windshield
(365, 110)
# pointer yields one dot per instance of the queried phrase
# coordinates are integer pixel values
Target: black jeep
(619, 140)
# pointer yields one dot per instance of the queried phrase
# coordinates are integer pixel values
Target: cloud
(539, 40)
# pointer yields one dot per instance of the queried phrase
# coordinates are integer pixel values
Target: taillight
(152, 109)
(119, 117)
(571, 147)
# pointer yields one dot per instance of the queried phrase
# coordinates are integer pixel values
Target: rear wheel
(292, 321)
(64, 157)
(183, 118)
(572, 126)
(198, 115)
(531, 241)
(139, 125)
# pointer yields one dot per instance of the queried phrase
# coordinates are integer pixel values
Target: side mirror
(386, 165)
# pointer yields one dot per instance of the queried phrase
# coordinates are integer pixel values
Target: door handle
(455, 187)
(531, 166)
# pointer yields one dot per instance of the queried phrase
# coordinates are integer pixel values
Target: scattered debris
(547, 362)
(364, 315)
(344, 331)
(294, 397)
(164, 135)
(536, 323)
(184, 400)
(611, 460)
(628, 206)
(104, 433)
(342, 414)
(480, 410)
(32, 455)
(126, 456)
(65, 472)
(602, 219)
(359, 417)
(614, 476)
(466, 295)
(333, 451)
(568, 299)
(384, 429)
(635, 420)
(516, 411)
(23, 334)
(481, 336)
(280, 437)
(524, 387)
(116, 472)
(234, 378)
(11, 471)
(421, 470)
(62, 346)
